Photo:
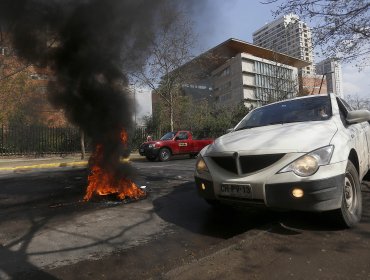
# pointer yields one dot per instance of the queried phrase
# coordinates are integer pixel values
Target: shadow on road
(324, 221)
(185, 209)
(30, 202)
(33, 206)
(16, 264)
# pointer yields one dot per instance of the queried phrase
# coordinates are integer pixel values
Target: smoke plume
(88, 44)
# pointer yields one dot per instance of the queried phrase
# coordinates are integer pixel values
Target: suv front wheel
(351, 209)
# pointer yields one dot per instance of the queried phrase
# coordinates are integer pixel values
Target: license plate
(242, 190)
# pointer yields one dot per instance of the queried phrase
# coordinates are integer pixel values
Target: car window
(182, 136)
(345, 104)
(316, 108)
(344, 108)
(168, 136)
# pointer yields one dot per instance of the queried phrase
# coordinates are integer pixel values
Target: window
(225, 86)
(307, 109)
(224, 72)
(182, 136)
(343, 110)
(345, 104)
(225, 97)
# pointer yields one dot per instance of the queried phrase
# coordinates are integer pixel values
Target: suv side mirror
(358, 116)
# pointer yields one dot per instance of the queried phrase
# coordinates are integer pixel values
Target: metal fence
(41, 140)
(38, 140)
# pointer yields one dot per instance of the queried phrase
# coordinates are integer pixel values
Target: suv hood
(290, 137)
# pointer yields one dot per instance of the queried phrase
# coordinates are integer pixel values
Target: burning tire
(164, 154)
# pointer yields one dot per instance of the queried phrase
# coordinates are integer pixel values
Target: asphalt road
(48, 232)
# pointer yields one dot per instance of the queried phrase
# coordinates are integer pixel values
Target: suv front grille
(247, 164)
(253, 163)
(228, 163)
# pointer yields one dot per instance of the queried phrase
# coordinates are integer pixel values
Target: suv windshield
(317, 108)
(168, 136)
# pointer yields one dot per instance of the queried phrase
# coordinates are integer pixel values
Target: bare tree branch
(341, 28)
(170, 51)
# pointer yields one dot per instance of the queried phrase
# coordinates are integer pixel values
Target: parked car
(309, 153)
(173, 143)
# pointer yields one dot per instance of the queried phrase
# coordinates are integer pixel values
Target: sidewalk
(9, 164)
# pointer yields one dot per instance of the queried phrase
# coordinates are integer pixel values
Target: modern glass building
(256, 80)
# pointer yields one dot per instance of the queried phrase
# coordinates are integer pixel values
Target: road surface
(48, 232)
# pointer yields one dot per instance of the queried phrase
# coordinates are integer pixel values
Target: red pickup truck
(173, 143)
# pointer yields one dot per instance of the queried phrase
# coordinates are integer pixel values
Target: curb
(46, 165)
(57, 165)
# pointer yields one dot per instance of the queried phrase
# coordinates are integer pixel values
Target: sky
(218, 20)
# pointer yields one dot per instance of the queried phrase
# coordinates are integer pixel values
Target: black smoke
(89, 44)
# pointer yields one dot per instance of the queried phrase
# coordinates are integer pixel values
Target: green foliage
(13, 92)
(198, 116)
(239, 112)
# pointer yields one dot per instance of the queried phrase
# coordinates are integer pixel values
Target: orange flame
(104, 182)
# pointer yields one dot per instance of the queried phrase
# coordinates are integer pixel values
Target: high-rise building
(288, 35)
(332, 70)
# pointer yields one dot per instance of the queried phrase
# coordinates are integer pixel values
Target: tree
(341, 28)
(169, 51)
(203, 119)
(18, 102)
(239, 112)
(275, 81)
(281, 82)
(23, 89)
(357, 102)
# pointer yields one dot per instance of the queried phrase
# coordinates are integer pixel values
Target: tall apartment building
(290, 36)
(332, 70)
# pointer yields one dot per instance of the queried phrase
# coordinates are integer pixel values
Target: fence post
(2, 139)
(82, 144)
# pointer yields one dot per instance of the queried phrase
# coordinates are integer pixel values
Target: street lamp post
(134, 92)
(322, 79)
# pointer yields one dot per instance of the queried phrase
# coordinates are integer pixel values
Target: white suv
(309, 153)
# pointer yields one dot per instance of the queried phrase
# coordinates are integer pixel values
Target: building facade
(312, 84)
(254, 80)
(242, 72)
(332, 70)
(290, 36)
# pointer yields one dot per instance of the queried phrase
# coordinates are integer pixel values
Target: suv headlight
(308, 164)
(151, 146)
(201, 165)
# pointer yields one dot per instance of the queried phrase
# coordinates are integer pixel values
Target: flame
(104, 182)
